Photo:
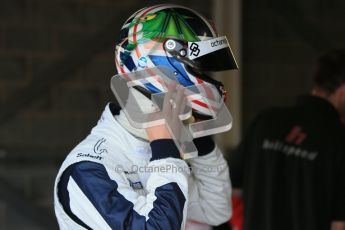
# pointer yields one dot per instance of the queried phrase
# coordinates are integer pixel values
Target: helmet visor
(212, 55)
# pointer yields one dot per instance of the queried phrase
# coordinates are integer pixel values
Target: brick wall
(36, 35)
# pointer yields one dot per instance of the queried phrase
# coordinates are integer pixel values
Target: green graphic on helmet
(160, 25)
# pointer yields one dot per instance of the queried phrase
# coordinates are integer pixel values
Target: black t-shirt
(291, 167)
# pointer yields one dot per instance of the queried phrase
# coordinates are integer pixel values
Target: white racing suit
(114, 180)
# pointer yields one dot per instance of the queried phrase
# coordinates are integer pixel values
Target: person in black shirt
(291, 164)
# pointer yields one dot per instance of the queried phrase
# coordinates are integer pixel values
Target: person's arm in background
(210, 187)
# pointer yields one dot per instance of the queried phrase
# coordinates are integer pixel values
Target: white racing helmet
(179, 39)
